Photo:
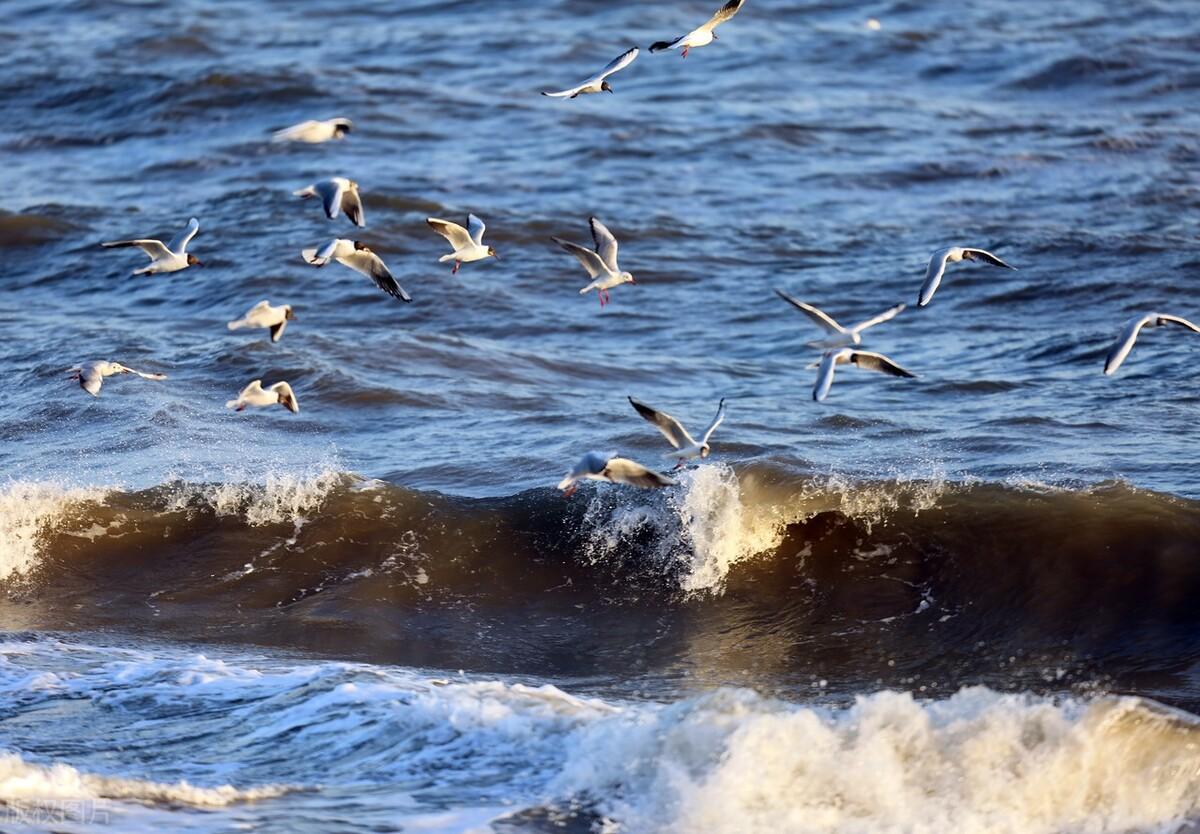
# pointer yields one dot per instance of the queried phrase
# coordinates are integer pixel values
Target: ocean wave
(866, 577)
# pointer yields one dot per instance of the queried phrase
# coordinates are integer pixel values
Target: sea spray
(29, 510)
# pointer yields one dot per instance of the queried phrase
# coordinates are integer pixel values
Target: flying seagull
(263, 314)
(596, 466)
(601, 264)
(1129, 334)
(951, 255)
(254, 394)
(337, 194)
(92, 377)
(686, 447)
(169, 258)
(862, 358)
(597, 83)
(360, 258)
(314, 132)
(468, 245)
(842, 336)
(705, 34)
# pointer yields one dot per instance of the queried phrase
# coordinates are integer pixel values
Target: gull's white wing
(458, 236)
(331, 193)
(723, 14)
(933, 275)
(321, 256)
(820, 318)
(615, 65)
(985, 255)
(154, 248)
(476, 228)
(91, 380)
(878, 362)
(352, 205)
(1125, 342)
(606, 244)
(1165, 319)
(717, 420)
(590, 260)
(295, 131)
(825, 376)
(886, 315)
(179, 243)
(671, 428)
(286, 397)
(371, 265)
(625, 471)
(142, 374)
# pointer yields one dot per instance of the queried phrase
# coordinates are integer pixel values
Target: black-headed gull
(468, 245)
(601, 264)
(862, 358)
(842, 336)
(686, 447)
(314, 132)
(597, 466)
(597, 83)
(1129, 334)
(263, 314)
(171, 257)
(337, 194)
(255, 395)
(704, 35)
(91, 377)
(361, 259)
(952, 255)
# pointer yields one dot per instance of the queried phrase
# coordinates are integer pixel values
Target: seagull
(1129, 334)
(360, 258)
(952, 255)
(843, 336)
(601, 265)
(468, 246)
(597, 466)
(337, 194)
(254, 394)
(314, 132)
(92, 377)
(705, 34)
(597, 83)
(263, 314)
(862, 358)
(170, 258)
(686, 447)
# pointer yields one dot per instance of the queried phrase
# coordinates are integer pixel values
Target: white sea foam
(977, 763)
(29, 511)
(25, 782)
(281, 498)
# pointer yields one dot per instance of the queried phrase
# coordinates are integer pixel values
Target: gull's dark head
(341, 129)
(492, 253)
(705, 451)
(193, 260)
(359, 246)
(606, 87)
(287, 312)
